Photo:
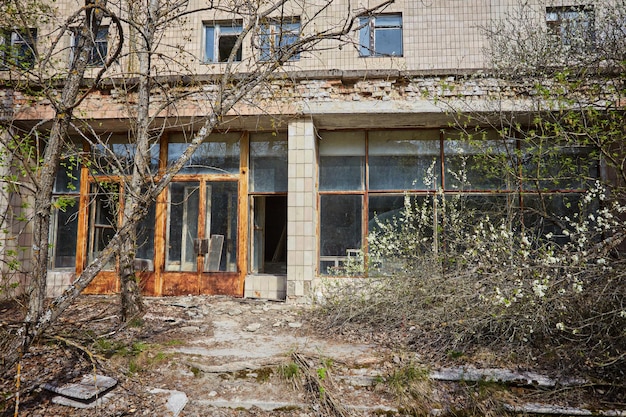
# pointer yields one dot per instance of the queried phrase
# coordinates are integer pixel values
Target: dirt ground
(237, 357)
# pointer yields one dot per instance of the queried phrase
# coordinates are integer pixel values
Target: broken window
(220, 41)
(268, 203)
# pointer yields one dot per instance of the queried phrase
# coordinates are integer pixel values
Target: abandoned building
(286, 189)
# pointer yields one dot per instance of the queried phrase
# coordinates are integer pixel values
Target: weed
(411, 386)
(133, 367)
(136, 322)
(156, 358)
(289, 371)
(174, 342)
(197, 373)
(263, 374)
(454, 354)
(401, 378)
(287, 408)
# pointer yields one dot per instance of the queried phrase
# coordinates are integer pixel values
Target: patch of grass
(173, 342)
(133, 367)
(289, 371)
(411, 386)
(264, 374)
(406, 375)
(197, 373)
(454, 354)
(138, 347)
(158, 357)
(287, 408)
(110, 348)
(136, 322)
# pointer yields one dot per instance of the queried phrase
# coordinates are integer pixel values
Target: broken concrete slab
(176, 401)
(248, 404)
(89, 387)
(253, 327)
(97, 402)
(549, 409)
(237, 366)
(501, 375)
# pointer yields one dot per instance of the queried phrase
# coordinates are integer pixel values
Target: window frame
(368, 30)
(214, 31)
(99, 50)
(69, 171)
(564, 22)
(512, 189)
(277, 35)
(15, 41)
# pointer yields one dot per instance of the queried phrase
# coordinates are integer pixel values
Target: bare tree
(231, 86)
(32, 69)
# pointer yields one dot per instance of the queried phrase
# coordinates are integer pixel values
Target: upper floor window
(17, 48)
(381, 35)
(571, 26)
(99, 50)
(276, 37)
(220, 41)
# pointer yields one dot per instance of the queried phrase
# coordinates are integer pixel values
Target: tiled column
(301, 210)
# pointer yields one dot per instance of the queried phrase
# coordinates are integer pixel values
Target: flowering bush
(461, 277)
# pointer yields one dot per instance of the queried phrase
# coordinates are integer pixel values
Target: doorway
(268, 251)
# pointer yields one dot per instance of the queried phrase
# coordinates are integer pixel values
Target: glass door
(182, 227)
(202, 227)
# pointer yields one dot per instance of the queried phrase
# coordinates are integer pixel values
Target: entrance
(269, 235)
(201, 239)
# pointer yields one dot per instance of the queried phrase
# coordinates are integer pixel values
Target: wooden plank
(243, 213)
(106, 282)
(220, 283)
(215, 253)
(81, 234)
(180, 283)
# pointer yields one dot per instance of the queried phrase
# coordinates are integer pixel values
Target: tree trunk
(46, 176)
(131, 302)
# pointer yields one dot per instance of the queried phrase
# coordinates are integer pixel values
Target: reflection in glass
(219, 155)
(340, 229)
(64, 226)
(404, 160)
(184, 198)
(484, 165)
(342, 161)
(221, 227)
(103, 214)
(268, 163)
